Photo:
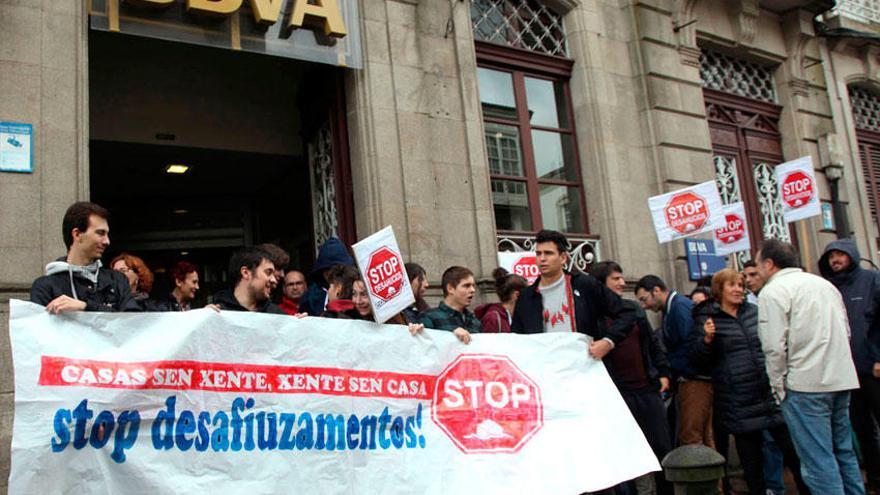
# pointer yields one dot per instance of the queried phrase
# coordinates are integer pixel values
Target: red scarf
(290, 306)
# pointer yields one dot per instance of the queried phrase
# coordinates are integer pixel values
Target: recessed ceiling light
(184, 253)
(180, 211)
(176, 168)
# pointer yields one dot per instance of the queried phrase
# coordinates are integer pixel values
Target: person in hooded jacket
(332, 252)
(78, 281)
(727, 347)
(860, 288)
(496, 317)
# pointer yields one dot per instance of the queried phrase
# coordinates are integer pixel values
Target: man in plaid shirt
(452, 314)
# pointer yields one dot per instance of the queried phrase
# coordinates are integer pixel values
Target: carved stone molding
(685, 26)
(869, 55)
(799, 87)
(797, 27)
(745, 19)
(562, 7)
(690, 55)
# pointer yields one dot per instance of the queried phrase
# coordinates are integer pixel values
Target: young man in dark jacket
(560, 301)
(452, 314)
(639, 368)
(860, 289)
(78, 281)
(253, 278)
(333, 252)
(693, 391)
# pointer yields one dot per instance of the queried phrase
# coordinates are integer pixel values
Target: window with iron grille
(526, 24)
(732, 75)
(866, 113)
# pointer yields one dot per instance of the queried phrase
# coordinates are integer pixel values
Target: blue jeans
(820, 429)
(773, 478)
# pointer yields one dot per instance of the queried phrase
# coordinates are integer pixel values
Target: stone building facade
(473, 122)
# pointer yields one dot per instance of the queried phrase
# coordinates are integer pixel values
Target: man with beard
(253, 278)
(860, 289)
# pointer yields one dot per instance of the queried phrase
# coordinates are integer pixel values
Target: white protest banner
(236, 402)
(381, 266)
(798, 191)
(734, 236)
(522, 263)
(686, 212)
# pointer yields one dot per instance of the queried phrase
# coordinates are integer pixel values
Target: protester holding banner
(361, 300)
(252, 274)
(726, 346)
(561, 301)
(640, 370)
(496, 317)
(452, 314)
(78, 281)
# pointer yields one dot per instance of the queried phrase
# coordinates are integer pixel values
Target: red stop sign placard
(797, 189)
(385, 274)
(527, 267)
(734, 229)
(484, 403)
(686, 212)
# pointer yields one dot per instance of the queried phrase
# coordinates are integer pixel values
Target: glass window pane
(496, 93)
(503, 150)
(546, 100)
(561, 208)
(511, 201)
(554, 155)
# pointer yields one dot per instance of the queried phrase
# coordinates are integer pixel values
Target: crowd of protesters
(785, 362)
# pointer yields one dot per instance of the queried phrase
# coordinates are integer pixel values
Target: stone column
(417, 136)
(43, 82)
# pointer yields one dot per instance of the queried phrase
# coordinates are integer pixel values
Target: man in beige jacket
(805, 337)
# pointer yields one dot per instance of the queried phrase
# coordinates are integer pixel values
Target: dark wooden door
(746, 148)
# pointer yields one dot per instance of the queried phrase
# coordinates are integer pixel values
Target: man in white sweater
(805, 337)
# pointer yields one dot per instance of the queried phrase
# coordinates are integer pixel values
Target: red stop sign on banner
(527, 267)
(385, 274)
(686, 212)
(734, 229)
(797, 189)
(484, 403)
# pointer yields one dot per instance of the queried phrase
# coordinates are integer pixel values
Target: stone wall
(43, 82)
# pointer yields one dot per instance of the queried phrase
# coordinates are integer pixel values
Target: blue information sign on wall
(701, 258)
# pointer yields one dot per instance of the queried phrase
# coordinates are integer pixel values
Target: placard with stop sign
(381, 266)
(522, 263)
(798, 192)
(734, 236)
(686, 212)
(485, 403)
